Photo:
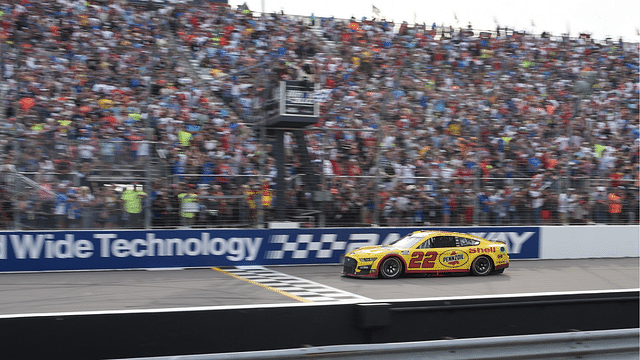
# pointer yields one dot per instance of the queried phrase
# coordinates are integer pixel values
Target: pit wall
(132, 249)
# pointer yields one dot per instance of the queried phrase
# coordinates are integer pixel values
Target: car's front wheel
(391, 268)
(482, 265)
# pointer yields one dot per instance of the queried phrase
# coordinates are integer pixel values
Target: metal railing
(607, 344)
(227, 200)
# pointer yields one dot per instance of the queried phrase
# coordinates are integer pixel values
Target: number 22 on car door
(423, 257)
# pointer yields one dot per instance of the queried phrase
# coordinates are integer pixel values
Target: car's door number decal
(428, 259)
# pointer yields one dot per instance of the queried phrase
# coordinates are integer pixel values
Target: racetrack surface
(30, 293)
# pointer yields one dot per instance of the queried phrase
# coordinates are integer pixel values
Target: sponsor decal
(482, 250)
(514, 239)
(30, 246)
(454, 258)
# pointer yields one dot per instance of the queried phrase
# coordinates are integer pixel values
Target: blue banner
(128, 249)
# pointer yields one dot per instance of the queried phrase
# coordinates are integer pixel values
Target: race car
(428, 252)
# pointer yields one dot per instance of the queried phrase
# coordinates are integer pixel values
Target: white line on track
(302, 288)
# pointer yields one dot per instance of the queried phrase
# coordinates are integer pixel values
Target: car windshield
(409, 240)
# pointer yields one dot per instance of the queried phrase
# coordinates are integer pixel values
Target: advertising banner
(127, 249)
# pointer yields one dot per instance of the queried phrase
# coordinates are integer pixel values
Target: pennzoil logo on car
(454, 258)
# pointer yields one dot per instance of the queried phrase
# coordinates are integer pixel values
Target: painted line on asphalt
(295, 297)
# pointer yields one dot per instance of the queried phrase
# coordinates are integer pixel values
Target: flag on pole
(375, 10)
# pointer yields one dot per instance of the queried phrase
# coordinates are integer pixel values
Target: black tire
(391, 268)
(481, 266)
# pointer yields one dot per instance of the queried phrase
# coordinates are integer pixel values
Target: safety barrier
(621, 344)
(172, 332)
(128, 249)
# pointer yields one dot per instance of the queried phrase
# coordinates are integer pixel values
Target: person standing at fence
(445, 202)
(112, 206)
(73, 208)
(159, 209)
(189, 206)
(632, 205)
(485, 211)
(86, 202)
(599, 198)
(468, 202)
(537, 201)
(615, 199)
(60, 206)
(563, 208)
(133, 214)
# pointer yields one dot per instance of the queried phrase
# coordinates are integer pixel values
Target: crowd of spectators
(420, 124)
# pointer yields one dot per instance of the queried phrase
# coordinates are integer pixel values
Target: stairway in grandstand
(329, 46)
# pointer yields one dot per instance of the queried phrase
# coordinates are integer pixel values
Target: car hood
(373, 250)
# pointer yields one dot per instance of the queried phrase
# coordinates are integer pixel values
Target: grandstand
(419, 125)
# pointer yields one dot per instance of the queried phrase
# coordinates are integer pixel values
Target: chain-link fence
(345, 180)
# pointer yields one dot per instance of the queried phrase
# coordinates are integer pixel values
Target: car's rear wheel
(391, 268)
(481, 266)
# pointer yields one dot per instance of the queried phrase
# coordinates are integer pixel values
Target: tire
(391, 268)
(481, 266)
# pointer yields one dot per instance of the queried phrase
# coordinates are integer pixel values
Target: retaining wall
(128, 249)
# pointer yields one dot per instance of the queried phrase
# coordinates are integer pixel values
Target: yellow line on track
(295, 297)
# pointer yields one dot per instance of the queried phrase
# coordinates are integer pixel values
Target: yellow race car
(428, 252)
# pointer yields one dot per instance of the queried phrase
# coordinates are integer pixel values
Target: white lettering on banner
(25, 246)
(218, 246)
(237, 249)
(104, 243)
(513, 240)
(153, 244)
(391, 237)
(83, 249)
(134, 248)
(371, 239)
(30, 246)
(120, 248)
(303, 244)
(193, 247)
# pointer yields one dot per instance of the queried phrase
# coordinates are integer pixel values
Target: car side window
(467, 242)
(444, 241)
(425, 244)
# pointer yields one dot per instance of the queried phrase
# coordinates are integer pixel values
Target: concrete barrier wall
(127, 249)
(128, 334)
(582, 242)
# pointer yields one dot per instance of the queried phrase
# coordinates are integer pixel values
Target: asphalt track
(52, 292)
